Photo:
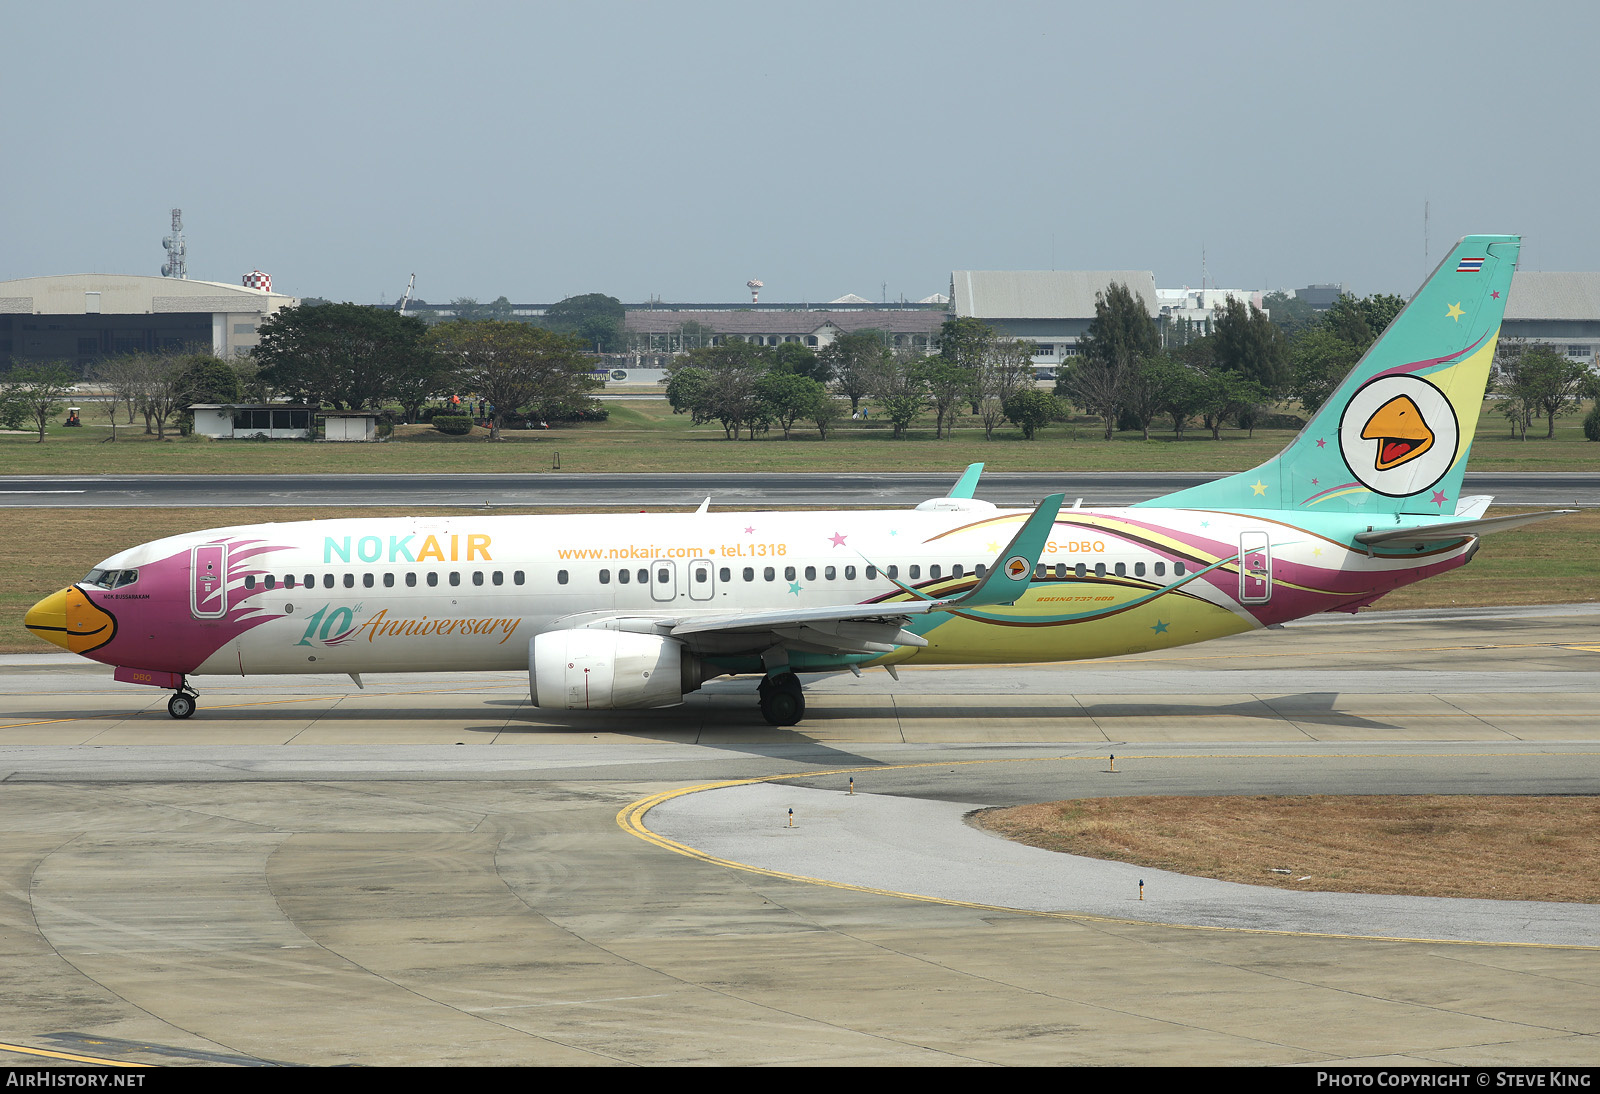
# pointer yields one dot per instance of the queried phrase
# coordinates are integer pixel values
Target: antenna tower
(175, 266)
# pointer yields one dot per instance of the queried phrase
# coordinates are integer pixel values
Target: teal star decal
(1160, 627)
(794, 587)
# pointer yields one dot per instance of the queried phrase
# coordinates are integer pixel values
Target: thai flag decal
(1470, 265)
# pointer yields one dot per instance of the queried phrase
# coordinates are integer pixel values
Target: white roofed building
(83, 318)
(1053, 308)
(1562, 309)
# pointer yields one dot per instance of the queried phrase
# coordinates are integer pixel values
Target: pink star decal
(1495, 295)
(1313, 482)
(750, 531)
(1439, 498)
(838, 540)
(1321, 443)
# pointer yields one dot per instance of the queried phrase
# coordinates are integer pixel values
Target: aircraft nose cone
(70, 620)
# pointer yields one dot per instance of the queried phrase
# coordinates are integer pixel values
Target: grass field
(43, 550)
(645, 435)
(1503, 848)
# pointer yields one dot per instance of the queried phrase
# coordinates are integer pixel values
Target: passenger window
(958, 571)
(477, 577)
(1122, 569)
(1080, 570)
(769, 574)
(623, 577)
(366, 580)
(724, 574)
(1161, 569)
(561, 577)
(411, 581)
(749, 573)
(433, 578)
(516, 577)
(250, 582)
(605, 577)
(811, 573)
(455, 577)
(1177, 568)
(498, 578)
(849, 573)
(788, 573)
(872, 573)
(1041, 570)
(1099, 569)
(830, 573)
(663, 576)
(702, 574)
(934, 571)
(288, 581)
(270, 581)
(1138, 569)
(982, 570)
(349, 581)
(893, 572)
(916, 572)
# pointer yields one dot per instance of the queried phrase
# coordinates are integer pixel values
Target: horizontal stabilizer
(1454, 529)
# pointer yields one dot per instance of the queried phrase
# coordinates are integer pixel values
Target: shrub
(457, 425)
(1591, 423)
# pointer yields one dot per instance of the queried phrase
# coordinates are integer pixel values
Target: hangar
(84, 318)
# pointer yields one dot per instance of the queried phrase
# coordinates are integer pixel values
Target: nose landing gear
(183, 701)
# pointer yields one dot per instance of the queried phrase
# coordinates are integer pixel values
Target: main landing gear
(183, 701)
(782, 701)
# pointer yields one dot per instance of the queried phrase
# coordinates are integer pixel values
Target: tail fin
(1394, 437)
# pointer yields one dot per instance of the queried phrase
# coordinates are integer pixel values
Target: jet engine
(609, 670)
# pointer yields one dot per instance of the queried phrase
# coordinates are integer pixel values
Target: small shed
(271, 421)
(350, 425)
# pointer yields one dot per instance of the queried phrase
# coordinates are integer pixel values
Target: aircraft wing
(1453, 529)
(878, 628)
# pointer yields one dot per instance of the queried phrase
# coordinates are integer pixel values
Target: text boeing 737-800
(610, 612)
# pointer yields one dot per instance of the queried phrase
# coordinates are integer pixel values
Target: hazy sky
(679, 149)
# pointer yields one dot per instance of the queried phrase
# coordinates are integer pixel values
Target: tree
(1359, 322)
(1248, 344)
(1148, 389)
(1289, 313)
(1120, 335)
(948, 384)
(513, 364)
(853, 360)
(1033, 408)
(570, 315)
(802, 360)
(1319, 362)
(724, 388)
(899, 389)
(206, 378)
(38, 389)
(1537, 378)
(121, 379)
(789, 397)
(1005, 369)
(346, 354)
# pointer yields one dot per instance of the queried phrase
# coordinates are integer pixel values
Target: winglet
(967, 484)
(1008, 580)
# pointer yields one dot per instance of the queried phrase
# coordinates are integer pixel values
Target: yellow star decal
(1260, 488)
(1455, 312)
(1316, 552)
(993, 548)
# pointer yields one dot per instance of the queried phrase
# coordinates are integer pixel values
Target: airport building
(1053, 308)
(84, 318)
(1562, 309)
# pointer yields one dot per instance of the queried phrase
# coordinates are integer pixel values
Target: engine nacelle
(609, 670)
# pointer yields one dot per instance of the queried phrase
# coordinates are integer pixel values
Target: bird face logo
(1398, 435)
(1401, 432)
(1017, 567)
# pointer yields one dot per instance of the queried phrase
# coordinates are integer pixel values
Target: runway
(430, 871)
(727, 490)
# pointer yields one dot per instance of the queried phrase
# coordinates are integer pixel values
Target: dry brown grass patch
(1504, 848)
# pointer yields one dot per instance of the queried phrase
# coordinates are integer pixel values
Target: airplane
(609, 612)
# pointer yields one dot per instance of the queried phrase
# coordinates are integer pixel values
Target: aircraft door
(663, 580)
(208, 581)
(1255, 568)
(702, 579)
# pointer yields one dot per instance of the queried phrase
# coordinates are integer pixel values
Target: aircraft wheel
(181, 705)
(782, 701)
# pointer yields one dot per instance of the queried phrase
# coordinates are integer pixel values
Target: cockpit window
(111, 579)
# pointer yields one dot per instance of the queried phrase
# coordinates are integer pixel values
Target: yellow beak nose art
(1400, 431)
(70, 620)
